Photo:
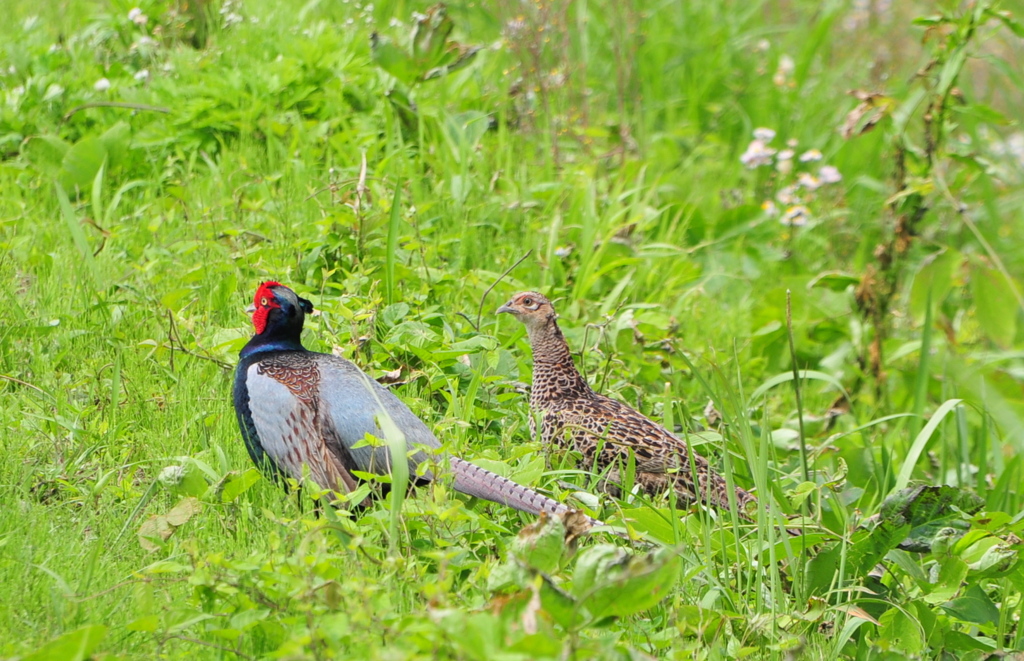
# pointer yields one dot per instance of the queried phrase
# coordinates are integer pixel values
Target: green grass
(613, 154)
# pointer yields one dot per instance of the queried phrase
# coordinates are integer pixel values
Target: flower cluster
(760, 153)
(137, 17)
(229, 15)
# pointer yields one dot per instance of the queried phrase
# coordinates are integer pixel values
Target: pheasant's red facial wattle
(263, 302)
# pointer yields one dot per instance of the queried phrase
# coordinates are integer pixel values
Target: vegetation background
(673, 173)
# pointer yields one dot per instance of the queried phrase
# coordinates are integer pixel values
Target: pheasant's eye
(528, 302)
(263, 301)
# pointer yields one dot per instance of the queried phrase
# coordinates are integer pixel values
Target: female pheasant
(297, 408)
(602, 428)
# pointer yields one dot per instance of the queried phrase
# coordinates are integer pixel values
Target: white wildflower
(563, 251)
(769, 208)
(515, 27)
(787, 195)
(810, 155)
(101, 85)
(395, 23)
(142, 75)
(808, 181)
(764, 135)
(137, 17)
(796, 216)
(757, 154)
(829, 174)
(232, 18)
(784, 161)
(786, 68)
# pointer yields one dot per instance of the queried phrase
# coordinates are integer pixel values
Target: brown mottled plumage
(570, 409)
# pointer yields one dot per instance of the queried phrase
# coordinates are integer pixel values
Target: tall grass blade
(392, 252)
(921, 442)
(921, 378)
(74, 227)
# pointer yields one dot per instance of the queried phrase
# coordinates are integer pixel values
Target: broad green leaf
(392, 58)
(901, 632)
(116, 140)
(82, 162)
(239, 484)
(394, 313)
(528, 473)
(508, 574)
(541, 544)
(455, 57)
(609, 582)
(183, 480)
(994, 302)
(76, 645)
(560, 605)
(936, 275)
(414, 334)
(592, 565)
(975, 606)
(46, 153)
(998, 560)
(146, 623)
(430, 33)
(655, 523)
(947, 583)
(980, 111)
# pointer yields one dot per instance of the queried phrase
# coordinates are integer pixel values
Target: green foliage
(156, 164)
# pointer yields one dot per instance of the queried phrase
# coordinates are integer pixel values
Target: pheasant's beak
(251, 309)
(506, 308)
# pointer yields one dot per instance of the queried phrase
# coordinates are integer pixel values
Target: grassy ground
(605, 143)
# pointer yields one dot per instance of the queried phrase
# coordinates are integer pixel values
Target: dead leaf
(162, 526)
(152, 528)
(183, 511)
(711, 414)
(390, 378)
(856, 611)
(873, 107)
(529, 617)
(576, 525)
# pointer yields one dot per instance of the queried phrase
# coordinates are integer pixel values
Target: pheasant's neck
(273, 341)
(554, 374)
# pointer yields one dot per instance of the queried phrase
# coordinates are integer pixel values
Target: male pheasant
(569, 408)
(297, 408)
